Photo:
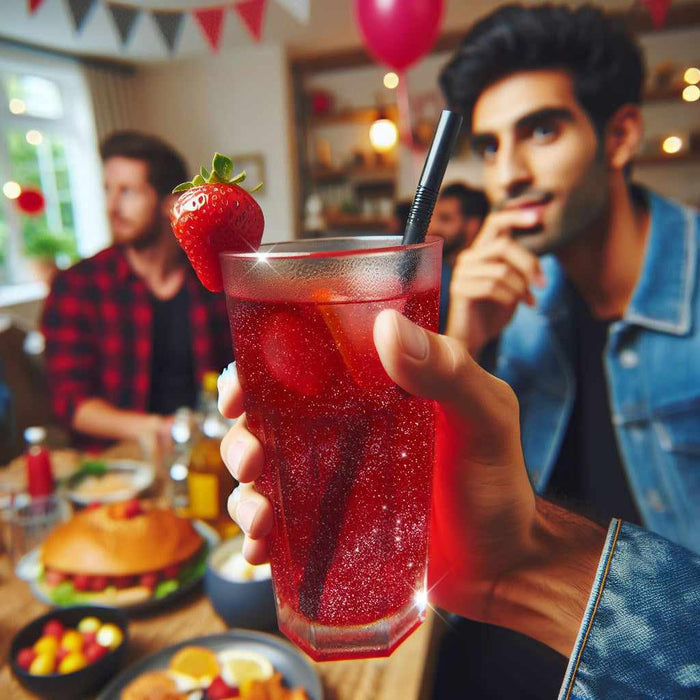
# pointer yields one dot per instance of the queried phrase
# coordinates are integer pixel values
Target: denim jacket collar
(661, 300)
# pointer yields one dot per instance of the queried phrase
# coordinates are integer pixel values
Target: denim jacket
(639, 634)
(652, 367)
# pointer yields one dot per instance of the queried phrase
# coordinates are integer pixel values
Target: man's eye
(544, 131)
(486, 151)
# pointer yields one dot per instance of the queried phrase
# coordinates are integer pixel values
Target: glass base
(329, 643)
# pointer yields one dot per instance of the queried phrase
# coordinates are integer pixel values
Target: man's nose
(512, 172)
(112, 199)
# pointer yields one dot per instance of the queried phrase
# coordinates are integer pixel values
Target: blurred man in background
(581, 289)
(130, 331)
(457, 218)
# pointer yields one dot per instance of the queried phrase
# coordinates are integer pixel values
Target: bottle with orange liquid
(209, 482)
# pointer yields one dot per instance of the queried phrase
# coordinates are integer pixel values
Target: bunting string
(210, 20)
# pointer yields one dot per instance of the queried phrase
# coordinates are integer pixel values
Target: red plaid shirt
(97, 322)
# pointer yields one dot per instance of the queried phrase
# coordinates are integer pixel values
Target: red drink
(348, 454)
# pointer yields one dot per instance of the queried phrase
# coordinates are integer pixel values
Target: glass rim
(429, 242)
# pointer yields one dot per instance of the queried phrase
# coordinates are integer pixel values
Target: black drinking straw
(428, 189)
(337, 494)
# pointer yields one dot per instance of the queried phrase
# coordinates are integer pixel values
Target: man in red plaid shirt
(130, 332)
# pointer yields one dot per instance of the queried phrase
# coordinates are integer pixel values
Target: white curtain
(112, 91)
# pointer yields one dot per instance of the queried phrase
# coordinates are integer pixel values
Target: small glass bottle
(209, 482)
(181, 433)
(40, 481)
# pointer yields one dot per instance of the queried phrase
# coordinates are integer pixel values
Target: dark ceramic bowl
(249, 604)
(79, 684)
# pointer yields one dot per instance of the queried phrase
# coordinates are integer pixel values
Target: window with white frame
(51, 206)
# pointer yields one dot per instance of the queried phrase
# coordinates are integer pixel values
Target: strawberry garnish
(214, 215)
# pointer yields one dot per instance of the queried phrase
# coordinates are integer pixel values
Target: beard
(142, 239)
(453, 245)
(586, 205)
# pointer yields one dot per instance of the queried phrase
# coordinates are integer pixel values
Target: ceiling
(331, 26)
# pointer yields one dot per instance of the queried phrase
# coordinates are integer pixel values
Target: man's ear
(623, 136)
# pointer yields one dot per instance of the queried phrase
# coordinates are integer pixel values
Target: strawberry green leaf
(184, 186)
(204, 173)
(222, 166)
(239, 178)
(256, 188)
(198, 180)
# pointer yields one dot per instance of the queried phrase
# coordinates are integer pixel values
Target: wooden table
(405, 675)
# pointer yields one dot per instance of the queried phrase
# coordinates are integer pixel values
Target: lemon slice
(240, 666)
(197, 662)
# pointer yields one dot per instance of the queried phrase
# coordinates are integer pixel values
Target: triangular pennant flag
(251, 13)
(169, 24)
(124, 20)
(657, 9)
(33, 5)
(211, 21)
(80, 9)
(299, 9)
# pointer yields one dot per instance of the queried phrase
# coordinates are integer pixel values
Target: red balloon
(30, 201)
(399, 32)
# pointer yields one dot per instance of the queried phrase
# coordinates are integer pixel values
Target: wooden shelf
(356, 222)
(668, 94)
(362, 115)
(662, 159)
(376, 175)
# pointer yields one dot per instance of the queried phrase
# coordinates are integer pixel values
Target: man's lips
(528, 203)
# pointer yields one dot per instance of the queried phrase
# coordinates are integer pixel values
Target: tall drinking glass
(349, 455)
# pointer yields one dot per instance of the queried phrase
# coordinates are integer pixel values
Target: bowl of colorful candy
(71, 652)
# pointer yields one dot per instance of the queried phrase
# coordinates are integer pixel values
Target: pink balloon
(399, 32)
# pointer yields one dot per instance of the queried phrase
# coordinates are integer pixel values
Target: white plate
(141, 475)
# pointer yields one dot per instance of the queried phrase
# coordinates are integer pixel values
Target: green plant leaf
(204, 173)
(256, 188)
(223, 166)
(184, 186)
(239, 178)
(198, 180)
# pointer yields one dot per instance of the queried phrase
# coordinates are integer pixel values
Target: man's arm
(546, 595)
(98, 417)
(624, 608)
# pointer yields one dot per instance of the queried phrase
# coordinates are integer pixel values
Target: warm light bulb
(672, 144)
(11, 190)
(691, 93)
(17, 106)
(34, 137)
(692, 76)
(391, 80)
(383, 135)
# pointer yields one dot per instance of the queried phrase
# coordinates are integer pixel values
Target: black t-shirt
(589, 475)
(172, 367)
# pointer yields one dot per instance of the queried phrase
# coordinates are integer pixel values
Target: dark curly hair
(604, 61)
(166, 167)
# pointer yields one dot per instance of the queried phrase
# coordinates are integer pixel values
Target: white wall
(238, 101)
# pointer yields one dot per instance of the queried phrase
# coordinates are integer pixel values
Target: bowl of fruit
(69, 653)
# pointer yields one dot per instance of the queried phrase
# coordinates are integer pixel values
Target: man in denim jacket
(580, 290)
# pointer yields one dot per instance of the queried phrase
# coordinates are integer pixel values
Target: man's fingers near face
(503, 222)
